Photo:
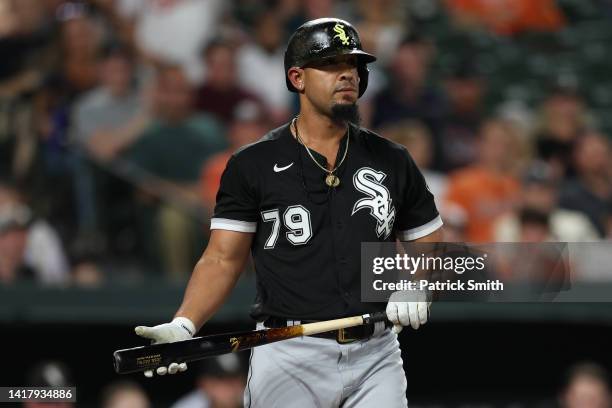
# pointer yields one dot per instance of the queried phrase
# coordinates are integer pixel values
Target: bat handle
(375, 317)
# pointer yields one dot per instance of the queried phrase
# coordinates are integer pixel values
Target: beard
(345, 112)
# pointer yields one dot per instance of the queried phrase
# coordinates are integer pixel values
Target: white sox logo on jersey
(369, 181)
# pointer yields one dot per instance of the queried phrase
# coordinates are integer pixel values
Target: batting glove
(402, 313)
(179, 329)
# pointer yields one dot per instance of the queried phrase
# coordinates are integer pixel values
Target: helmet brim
(363, 57)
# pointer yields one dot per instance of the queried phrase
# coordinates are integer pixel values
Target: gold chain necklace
(331, 179)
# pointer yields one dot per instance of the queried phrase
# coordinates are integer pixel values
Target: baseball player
(301, 200)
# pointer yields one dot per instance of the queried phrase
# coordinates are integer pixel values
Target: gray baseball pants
(314, 372)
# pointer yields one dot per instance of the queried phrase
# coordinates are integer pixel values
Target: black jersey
(308, 236)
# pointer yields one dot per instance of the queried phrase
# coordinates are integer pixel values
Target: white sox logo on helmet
(369, 181)
(341, 34)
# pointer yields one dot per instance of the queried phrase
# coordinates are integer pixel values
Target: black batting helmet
(326, 38)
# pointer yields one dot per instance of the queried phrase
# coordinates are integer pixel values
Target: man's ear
(296, 77)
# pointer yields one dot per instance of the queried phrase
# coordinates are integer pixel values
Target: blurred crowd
(117, 118)
(220, 381)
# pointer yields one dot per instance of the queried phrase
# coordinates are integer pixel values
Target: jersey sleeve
(236, 208)
(418, 216)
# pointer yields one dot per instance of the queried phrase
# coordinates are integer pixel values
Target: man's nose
(349, 73)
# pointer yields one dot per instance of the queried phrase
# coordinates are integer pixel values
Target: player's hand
(179, 329)
(402, 312)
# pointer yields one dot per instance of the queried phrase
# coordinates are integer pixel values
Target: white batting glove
(179, 329)
(402, 313)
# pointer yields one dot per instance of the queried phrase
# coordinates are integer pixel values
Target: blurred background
(117, 118)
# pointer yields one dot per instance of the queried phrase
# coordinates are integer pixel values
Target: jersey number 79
(296, 219)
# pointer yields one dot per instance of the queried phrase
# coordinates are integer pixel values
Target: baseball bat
(150, 357)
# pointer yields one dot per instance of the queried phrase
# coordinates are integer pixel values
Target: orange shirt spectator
(507, 17)
(211, 176)
(484, 196)
(489, 188)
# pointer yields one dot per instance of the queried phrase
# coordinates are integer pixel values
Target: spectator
(260, 66)
(29, 248)
(544, 270)
(563, 119)
(247, 127)
(507, 17)
(173, 31)
(81, 39)
(488, 188)
(534, 225)
(25, 42)
(587, 386)
(75, 73)
(98, 113)
(417, 139)
(166, 161)
(539, 195)
(116, 28)
(590, 192)
(221, 93)
(456, 144)
(49, 374)
(407, 95)
(455, 222)
(97, 121)
(382, 26)
(220, 384)
(26, 50)
(297, 12)
(124, 394)
(178, 140)
(313, 9)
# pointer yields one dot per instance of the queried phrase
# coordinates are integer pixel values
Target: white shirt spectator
(437, 183)
(263, 74)
(98, 109)
(44, 253)
(174, 30)
(565, 226)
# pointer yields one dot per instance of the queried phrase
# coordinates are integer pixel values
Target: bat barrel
(150, 357)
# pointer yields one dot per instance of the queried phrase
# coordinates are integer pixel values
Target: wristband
(186, 324)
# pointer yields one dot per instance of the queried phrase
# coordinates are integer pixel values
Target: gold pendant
(332, 180)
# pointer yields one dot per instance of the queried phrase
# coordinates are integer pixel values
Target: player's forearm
(210, 284)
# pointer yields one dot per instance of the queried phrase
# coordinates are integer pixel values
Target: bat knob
(375, 317)
(117, 361)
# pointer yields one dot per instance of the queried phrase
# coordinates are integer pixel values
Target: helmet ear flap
(364, 73)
